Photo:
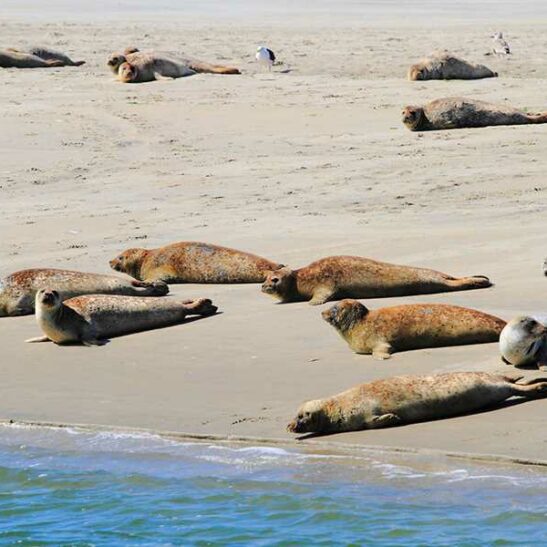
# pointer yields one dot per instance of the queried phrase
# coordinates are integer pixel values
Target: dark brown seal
(459, 112)
(412, 326)
(18, 290)
(442, 65)
(92, 319)
(337, 277)
(193, 262)
(407, 399)
(36, 57)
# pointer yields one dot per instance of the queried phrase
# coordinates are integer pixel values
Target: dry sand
(293, 166)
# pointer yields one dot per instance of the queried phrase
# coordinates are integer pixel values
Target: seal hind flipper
(385, 420)
(382, 351)
(532, 389)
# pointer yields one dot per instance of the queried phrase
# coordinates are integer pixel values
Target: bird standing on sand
(500, 46)
(265, 56)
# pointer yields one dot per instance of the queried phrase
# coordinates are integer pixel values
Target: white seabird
(500, 46)
(265, 56)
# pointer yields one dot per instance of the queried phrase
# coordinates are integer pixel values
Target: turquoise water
(64, 487)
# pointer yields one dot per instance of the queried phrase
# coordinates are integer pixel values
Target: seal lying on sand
(18, 290)
(337, 277)
(411, 326)
(545, 267)
(134, 66)
(407, 399)
(37, 57)
(193, 262)
(93, 319)
(458, 112)
(523, 341)
(441, 65)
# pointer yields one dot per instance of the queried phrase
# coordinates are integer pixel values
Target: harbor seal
(18, 290)
(193, 262)
(407, 399)
(545, 267)
(523, 341)
(410, 326)
(458, 112)
(36, 57)
(337, 277)
(134, 66)
(442, 65)
(93, 319)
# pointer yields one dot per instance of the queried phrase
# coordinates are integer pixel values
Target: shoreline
(311, 445)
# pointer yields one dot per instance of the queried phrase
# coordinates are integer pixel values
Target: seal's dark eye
(275, 279)
(307, 414)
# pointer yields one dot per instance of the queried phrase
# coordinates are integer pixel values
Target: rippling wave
(63, 486)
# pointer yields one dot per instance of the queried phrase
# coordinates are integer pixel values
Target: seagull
(500, 47)
(265, 57)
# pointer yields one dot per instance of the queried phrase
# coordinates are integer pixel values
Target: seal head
(280, 283)
(414, 118)
(115, 61)
(311, 417)
(129, 262)
(128, 73)
(523, 341)
(345, 314)
(417, 72)
(48, 298)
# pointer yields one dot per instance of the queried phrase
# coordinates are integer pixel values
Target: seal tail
(78, 63)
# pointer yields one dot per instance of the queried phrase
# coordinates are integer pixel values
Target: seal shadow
(513, 401)
(105, 341)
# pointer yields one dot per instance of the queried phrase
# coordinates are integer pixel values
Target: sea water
(70, 487)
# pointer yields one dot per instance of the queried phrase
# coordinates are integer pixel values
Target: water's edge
(311, 445)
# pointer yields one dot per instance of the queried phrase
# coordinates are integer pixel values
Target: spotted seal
(337, 277)
(93, 319)
(410, 326)
(407, 399)
(36, 57)
(442, 65)
(459, 112)
(18, 290)
(135, 66)
(193, 262)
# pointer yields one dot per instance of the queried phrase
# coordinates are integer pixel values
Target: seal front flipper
(38, 339)
(94, 342)
(385, 420)
(382, 351)
(321, 295)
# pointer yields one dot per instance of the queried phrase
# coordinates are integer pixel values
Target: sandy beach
(294, 165)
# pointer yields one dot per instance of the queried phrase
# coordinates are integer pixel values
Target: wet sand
(293, 166)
